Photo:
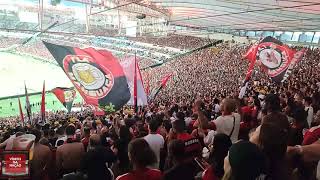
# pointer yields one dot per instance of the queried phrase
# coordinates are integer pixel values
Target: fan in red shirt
(141, 156)
(192, 145)
(311, 136)
(85, 140)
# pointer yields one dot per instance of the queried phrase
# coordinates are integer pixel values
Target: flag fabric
(96, 74)
(65, 95)
(297, 57)
(43, 104)
(28, 107)
(163, 84)
(250, 56)
(131, 68)
(21, 113)
(98, 111)
(273, 56)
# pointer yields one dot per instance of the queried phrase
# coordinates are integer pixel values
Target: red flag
(43, 104)
(162, 85)
(251, 56)
(21, 112)
(165, 80)
(273, 56)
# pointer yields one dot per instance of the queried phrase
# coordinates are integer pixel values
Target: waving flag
(132, 72)
(297, 57)
(274, 57)
(96, 74)
(250, 56)
(65, 96)
(163, 84)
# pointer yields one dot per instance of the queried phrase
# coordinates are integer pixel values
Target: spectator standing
(182, 166)
(220, 147)
(69, 155)
(245, 161)
(155, 141)
(85, 139)
(41, 158)
(141, 156)
(309, 109)
(97, 160)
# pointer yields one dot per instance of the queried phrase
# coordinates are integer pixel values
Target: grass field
(10, 107)
(15, 70)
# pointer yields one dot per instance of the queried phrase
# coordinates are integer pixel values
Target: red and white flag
(135, 82)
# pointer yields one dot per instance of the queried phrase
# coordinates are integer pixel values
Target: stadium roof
(274, 15)
(238, 17)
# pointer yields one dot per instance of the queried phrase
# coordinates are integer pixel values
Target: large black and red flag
(274, 57)
(96, 74)
(65, 95)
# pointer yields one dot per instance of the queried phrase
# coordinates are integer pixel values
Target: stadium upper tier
(149, 52)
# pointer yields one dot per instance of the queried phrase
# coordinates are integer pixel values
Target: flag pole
(28, 107)
(21, 112)
(135, 100)
(43, 104)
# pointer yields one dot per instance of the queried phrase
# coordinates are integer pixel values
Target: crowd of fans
(196, 128)
(148, 54)
(173, 40)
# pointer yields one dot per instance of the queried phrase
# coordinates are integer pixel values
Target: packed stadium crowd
(196, 128)
(173, 40)
(120, 47)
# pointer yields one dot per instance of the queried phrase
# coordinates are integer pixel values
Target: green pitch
(10, 107)
(15, 69)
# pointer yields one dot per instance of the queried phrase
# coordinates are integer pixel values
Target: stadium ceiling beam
(284, 14)
(40, 15)
(263, 23)
(247, 11)
(230, 26)
(116, 7)
(241, 5)
(233, 13)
